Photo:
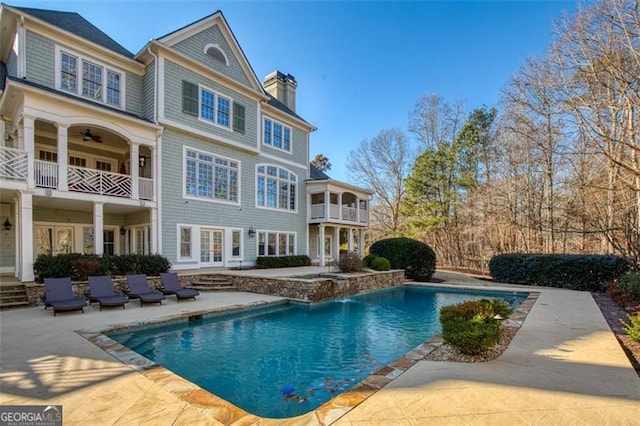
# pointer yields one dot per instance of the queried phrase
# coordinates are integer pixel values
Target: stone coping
(227, 413)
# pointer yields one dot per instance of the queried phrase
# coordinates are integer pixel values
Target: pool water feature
(286, 360)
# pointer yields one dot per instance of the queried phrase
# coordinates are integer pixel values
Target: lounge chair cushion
(139, 289)
(101, 291)
(59, 295)
(171, 285)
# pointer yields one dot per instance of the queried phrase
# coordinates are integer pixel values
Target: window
(185, 243)
(77, 161)
(104, 166)
(276, 188)
(210, 177)
(276, 135)
(276, 243)
(214, 51)
(89, 79)
(215, 108)
(49, 156)
(236, 235)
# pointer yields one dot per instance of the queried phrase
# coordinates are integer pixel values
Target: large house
(177, 149)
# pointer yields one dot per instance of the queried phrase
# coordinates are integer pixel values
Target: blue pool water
(252, 358)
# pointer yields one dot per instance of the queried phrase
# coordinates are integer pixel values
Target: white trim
(179, 258)
(186, 196)
(81, 59)
(268, 231)
(283, 161)
(216, 46)
(22, 49)
(216, 94)
(276, 209)
(208, 136)
(284, 126)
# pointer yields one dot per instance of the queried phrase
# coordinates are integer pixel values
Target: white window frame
(266, 118)
(240, 255)
(105, 68)
(216, 94)
(179, 257)
(216, 46)
(266, 233)
(278, 179)
(187, 196)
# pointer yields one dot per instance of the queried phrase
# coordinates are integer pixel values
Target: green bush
(471, 326)
(268, 262)
(416, 258)
(632, 328)
(380, 264)
(571, 271)
(350, 262)
(79, 266)
(630, 284)
(368, 259)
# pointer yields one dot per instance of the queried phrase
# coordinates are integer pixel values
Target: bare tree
(382, 164)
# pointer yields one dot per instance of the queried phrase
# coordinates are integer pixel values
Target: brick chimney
(282, 87)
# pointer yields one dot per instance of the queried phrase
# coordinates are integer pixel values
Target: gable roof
(208, 21)
(76, 24)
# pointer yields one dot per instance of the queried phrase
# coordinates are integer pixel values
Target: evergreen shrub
(368, 259)
(572, 271)
(471, 326)
(380, 264)
(416, 258)
(630, 284)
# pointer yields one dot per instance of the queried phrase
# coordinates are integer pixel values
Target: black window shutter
(238, 117)
(189, 98)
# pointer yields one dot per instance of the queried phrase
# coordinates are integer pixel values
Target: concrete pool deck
(563, 367)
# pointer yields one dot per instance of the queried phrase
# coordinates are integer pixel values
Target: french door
(211, 247)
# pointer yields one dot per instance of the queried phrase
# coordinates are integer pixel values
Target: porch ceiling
(80, 205)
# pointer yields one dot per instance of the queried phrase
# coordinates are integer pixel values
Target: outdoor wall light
(142, 160)
(7, 225)
(251, 232)
(123, 231)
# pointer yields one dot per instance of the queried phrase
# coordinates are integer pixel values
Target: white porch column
(339, 208)
(350, 240)
(26, 133)
(327, 206)
(361, 242)
(26, 236)
(98, 226)
(63, 156)
(17, 270)
(358, 209)
(135, 170)
(153, 230)
(321, 243)
(336, 243)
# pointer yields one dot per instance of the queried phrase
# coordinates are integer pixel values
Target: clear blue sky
(360, 66)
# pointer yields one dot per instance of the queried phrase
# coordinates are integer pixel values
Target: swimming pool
(289, 359)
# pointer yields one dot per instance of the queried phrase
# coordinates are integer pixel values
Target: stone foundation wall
(317, 289)
(310, 290)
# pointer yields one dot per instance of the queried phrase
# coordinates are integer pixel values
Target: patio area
(563, 367)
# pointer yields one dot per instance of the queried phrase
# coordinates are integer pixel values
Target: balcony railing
(339, 213)
(82, 179)
(13, 164)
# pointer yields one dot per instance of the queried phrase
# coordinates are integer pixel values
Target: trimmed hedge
(368, 259)
(570, 271)
(380, 264)
(416, 258)
(268, 262)
(79, 266)
(471, 326)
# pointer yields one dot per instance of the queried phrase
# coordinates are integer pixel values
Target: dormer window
(214, 51)
(89, 78)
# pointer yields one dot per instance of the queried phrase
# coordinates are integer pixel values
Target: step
(11, 305)
(20, 290)
(10, 288)
(14, 298)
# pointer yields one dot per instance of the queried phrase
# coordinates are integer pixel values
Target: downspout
(155, 85)
(158, 157)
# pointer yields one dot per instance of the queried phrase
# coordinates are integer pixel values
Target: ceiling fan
(88, 136)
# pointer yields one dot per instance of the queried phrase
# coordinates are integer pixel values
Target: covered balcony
(81, 159)
(339, 207)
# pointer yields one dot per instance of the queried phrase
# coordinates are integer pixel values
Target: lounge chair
(101, 291)
(171, 285)
(139, 289)
(59, 295)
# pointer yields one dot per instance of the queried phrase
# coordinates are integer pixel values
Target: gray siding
(299, 149)
(134, 94)
(174, 74)
(12, 63)
(8, 242)
(40, 59)
(194, 48)
(175, 209)
(148, 84)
